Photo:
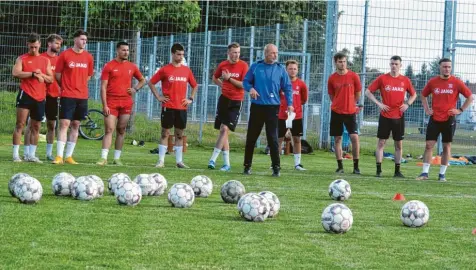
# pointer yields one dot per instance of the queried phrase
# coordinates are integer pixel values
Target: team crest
(436, 91)
(388, 88)
(450, 85)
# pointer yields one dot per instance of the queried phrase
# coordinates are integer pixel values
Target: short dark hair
(33, 37)
(292, 62)
(233, 45)
(53, 37)
(177, 47)
(80, 32)
(444, 60)
(339, 55)
(121, 43)
(396, 58)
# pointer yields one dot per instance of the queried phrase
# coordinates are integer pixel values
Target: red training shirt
(444, 95)
(299, 98)
(174, 84)
(52, 89)
(392, 90)
(75, 68)
(343, 88)
(238, 71)
(119, 78)
(31, 85)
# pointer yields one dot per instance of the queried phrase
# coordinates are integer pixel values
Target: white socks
(49, 149)
(162, 151)
(216, 153)
(69, 149)
(426, 167)
(297, 159)
(104, 153)
(60, 148)
(26, 150)
(226, 157)
(178, 154)
(33, 150)
(117, 154)
(443, 169)
(16, 151)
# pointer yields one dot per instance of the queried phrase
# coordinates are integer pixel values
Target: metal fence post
(138, 56)
(96, 81)
(278, 35)
(364, 64)
(252, 46)
(304, 74)
(86, 10)
(205, 71)
(111, 50)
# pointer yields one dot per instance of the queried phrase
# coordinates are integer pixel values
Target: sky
(411, 29)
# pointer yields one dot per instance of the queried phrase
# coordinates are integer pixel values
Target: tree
(435, 67)
(411, 74)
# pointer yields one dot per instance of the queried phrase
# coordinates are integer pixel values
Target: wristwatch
(461, 109)
(191, 98)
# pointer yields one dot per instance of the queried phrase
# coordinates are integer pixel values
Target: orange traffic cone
(399, 197)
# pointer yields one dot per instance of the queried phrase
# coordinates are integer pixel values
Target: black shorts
(73, 108)
(446, 128)
(173, 118)
(51, 108)
(228, 112)
(296, 130)
(339, 120)
(36, 108)
(387, 125)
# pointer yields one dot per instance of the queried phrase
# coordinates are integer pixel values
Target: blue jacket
(268, 80)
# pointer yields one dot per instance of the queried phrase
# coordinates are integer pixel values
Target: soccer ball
(61, 184)
(253, 207)
(147, 185)
(337, 218)
(13, 180)
(114, 181)
(415, 214)
(128, 193)
(100, 184)
(28, 190)
(339, 190)
(181, 195)
(232, 191)
(84, 188)
(274, 203)
(202, 186)
(161, 183)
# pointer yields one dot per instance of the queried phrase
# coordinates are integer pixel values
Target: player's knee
(398, 147)
(381, 143)
(120, 131)
(178, 135)
(109, 130)
(19, 125)
(429, 146)
(354, 138)
(296, 140)
(165, 134)
(224, 129)
(50, 126)
(338, 139)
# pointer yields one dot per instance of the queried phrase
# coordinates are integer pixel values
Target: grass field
(66, 233)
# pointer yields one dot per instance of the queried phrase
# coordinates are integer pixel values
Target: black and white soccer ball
(274, 203)
(253, 207)
(181, 195)
(339, 190)
(147, 185)
(84, 188)
(161, 183)
(115, 180)
(61, 184)
(28, 190)
(128, 193)
(13, 180)
(232, 191)
(100, 184)
(337, 218)
(202, 186)
(415, 214)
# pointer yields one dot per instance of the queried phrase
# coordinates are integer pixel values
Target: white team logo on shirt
(388, 88)
(436, 91)
(450, 85)
(72, 64)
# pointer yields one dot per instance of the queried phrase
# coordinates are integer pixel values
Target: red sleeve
(357, 84)
(157, 77)
(60, 63)
(463, 89)
(137, 73)
(217, 73)
(426, 90)
(330, 87)
(304, 93)
(105, 73)
(410, 88)
(91, 66)
(375, 85)
(191, 79)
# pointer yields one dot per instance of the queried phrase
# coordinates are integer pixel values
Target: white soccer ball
(115, 180)
(337, 218)
(61, 184)
(181, 195)
(415, 214)
(100, 184)
(28, 190)
(147, 185)
(128, 193)
(202, 186)
(339, 190)
(13, 180)
(253, 207)
(232, 191)
(84, 188)
(274, 203)
(161, 183)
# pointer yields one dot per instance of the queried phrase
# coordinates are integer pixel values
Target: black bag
(306, 148)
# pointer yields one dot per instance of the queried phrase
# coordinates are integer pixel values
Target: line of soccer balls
(338, 218)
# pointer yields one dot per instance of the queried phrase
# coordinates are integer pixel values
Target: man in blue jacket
(263, 81)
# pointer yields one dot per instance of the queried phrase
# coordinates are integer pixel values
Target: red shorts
(119, 106)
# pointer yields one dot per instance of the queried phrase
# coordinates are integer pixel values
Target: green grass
(66, 233)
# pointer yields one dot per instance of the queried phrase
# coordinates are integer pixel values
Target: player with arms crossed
(300, 94)
(444, 90)
(74, 68)
(34, 71)
(393, 88)
(229, 76)
(174, 78)
(117, 102)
